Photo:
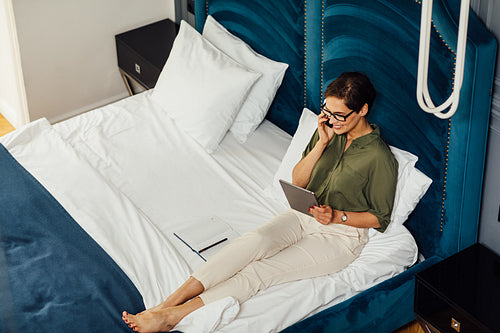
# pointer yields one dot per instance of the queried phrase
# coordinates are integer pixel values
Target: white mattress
(129, 177)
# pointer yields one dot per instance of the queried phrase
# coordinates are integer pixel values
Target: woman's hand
(325, 132)
(323, 214)
(301, 173)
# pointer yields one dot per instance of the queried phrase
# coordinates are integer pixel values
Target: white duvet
(129, 176)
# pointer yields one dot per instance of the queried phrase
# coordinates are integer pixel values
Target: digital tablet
(299, 198)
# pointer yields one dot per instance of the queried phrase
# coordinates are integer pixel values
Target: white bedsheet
(129, 176)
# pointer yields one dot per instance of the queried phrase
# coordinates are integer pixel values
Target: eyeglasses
(334, 115)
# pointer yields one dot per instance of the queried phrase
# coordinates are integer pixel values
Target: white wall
(68, 50)
(12, 95)
(489, 231)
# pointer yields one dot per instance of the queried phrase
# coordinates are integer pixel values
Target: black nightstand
(142, 52)
(460, 293)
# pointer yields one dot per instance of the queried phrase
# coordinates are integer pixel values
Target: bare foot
(160, 306)
(160, 320)
(191, 288)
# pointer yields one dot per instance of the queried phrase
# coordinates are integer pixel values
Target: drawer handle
(455, 324)
(138, 69)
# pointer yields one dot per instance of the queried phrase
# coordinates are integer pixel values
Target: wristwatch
(344, 217)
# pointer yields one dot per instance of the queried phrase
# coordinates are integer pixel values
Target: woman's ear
(364, 110)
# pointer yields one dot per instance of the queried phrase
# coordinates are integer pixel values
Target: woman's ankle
(189, 290)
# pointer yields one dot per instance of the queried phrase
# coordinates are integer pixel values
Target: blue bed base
(320, 39)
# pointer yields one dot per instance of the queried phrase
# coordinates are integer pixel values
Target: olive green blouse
(361, 179)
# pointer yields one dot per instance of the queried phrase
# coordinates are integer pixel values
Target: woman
(353, 174)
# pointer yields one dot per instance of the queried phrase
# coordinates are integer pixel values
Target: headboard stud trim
(322, 50)
(445, 174)
(305, 54)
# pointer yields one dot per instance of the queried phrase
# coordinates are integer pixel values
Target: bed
(89, 205)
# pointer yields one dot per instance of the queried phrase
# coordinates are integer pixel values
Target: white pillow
(411, 186)
(308, 123)
(411, 190)
(262, 93)
(201, 88)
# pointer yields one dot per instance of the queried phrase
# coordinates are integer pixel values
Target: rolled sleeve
(380, 190)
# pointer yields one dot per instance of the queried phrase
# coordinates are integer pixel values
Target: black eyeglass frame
(336, 116)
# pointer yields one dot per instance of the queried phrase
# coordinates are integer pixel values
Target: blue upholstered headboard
(321, 39)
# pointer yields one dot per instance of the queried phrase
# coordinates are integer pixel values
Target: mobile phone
(327, 122)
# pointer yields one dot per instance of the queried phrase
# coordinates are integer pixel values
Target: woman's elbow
(300, 182)
(300, 177)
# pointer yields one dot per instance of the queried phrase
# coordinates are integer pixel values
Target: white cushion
(262, 93)
(201, 88)
(308, 123)
(411, 186)
(409, 191)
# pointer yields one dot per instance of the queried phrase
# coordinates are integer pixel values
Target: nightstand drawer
(137, 67)
(442, 315)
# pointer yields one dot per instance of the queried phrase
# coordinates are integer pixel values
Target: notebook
(204, 235)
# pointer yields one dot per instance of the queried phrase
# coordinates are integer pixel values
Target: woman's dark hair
(354, 89)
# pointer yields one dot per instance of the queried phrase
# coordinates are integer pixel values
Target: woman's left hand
(323, 214)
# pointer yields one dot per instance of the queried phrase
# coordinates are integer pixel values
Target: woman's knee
(261, 242)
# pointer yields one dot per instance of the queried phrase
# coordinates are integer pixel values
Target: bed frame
(55, 278)
(320, 39)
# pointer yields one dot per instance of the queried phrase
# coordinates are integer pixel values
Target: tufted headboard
(320, 39)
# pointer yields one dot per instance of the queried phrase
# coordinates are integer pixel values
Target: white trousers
(290, 247)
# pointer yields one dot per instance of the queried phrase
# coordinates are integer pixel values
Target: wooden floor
(412, 327)
(5, 126)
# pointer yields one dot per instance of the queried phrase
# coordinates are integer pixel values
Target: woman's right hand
(301, 173)
(323, 214)
(325, 132)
